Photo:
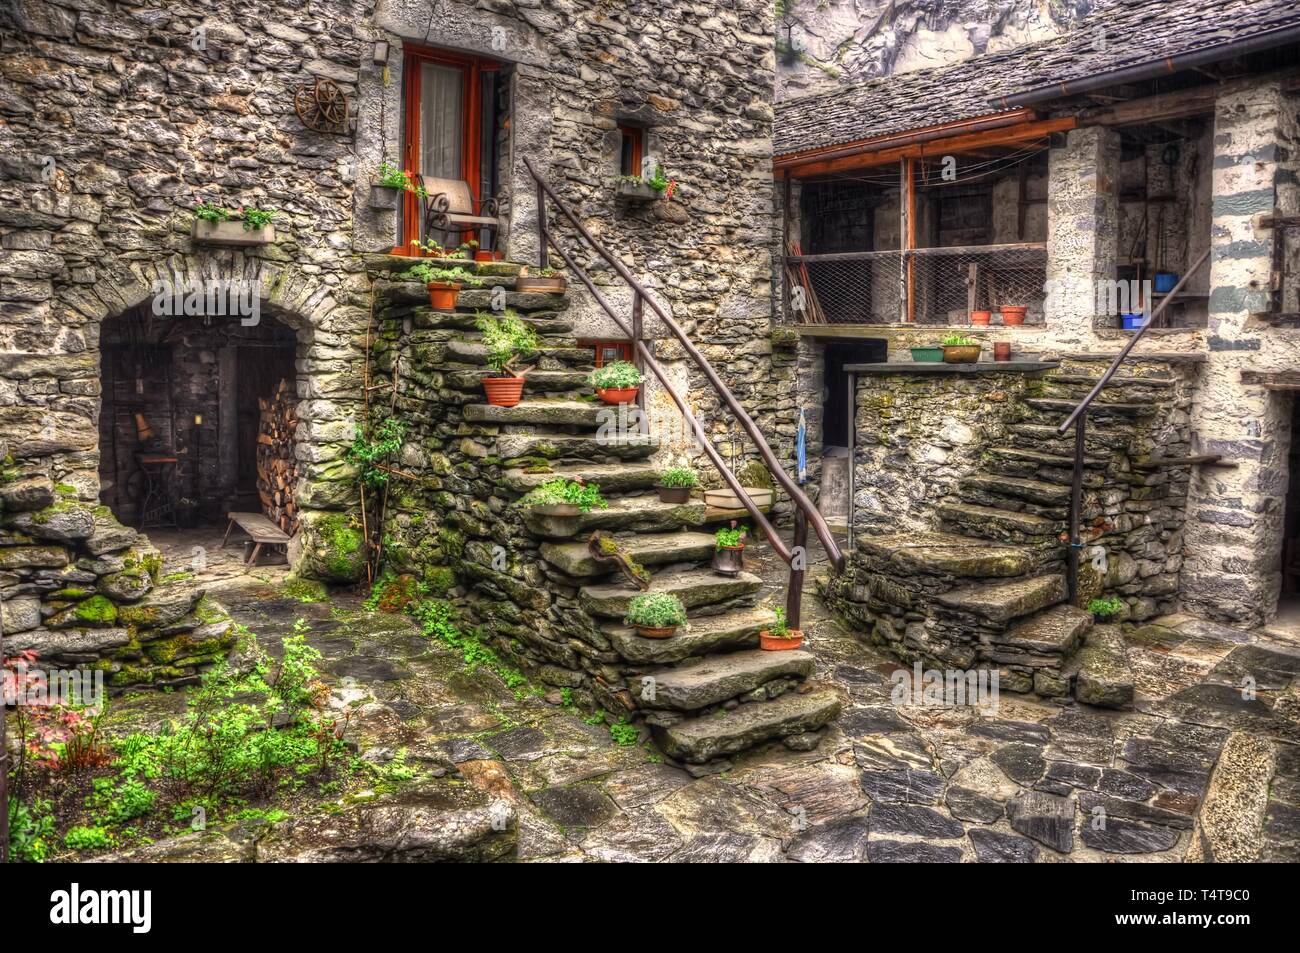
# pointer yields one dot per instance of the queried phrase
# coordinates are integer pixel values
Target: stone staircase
(708, 692)
(988, 587)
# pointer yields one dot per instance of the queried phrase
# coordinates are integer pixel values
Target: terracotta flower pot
(484, 256)
(442, 295)
(503, 391)
(966, 354)
(1013, 315)
(728, 560)
(617, 395)
(980, 318)
(649, 632)
(674, 494)
(1001, 350)
(769, 643)
(554, 286)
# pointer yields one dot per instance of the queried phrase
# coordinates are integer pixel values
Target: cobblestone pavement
(1200, 770)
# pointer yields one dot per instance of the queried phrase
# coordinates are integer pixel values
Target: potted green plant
(546, 280)
(676, 483)
(729, 550)
(507, 339)
(959, 349)
(218, 225)
(1103, 610)
(563, 497)
(780, 637)
(389, 185)
(435, 249)
(444, 284)
(655, 615)
(616, 382)
(632, 188)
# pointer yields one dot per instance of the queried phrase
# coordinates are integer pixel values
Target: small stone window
(631, 147)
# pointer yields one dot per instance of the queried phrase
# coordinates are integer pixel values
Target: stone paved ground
(1196, 772)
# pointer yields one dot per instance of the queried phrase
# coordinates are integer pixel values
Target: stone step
(517, 446)
(625, 513)
(1062, 407)
(695, 587)
(1004, 601)
(1099, 441)
(996, 523)
(610, 477)
(473, 353)
(699, 740)
(572, 383)
(737, 629)
(541, 412)
(649, 549)
(718, 678)
(1056, 631)
(984, 485)
(1039, 458)
(1104, 677)
(546, 323)
(1088, 381)
(947, 555)
(481, 299)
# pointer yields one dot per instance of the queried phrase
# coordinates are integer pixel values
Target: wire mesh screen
(925, 285)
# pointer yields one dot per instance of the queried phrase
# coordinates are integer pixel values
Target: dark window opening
(836, 419)
(631, 149)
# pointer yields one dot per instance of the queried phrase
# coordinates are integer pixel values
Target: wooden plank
(261, 529)
(1207, 459)
(1273, 380)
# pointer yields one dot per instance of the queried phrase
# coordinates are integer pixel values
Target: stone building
(119, 120)
(1075, 180)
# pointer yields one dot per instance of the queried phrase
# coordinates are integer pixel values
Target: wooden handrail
(792, 489)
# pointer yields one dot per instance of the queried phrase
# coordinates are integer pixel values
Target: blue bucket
(1165, 281)
(1133, 320)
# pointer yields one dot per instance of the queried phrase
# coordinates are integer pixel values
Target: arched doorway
(196, 421)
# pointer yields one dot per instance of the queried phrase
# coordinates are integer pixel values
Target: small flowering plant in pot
(959, 349)
(616, 382)
(217, 225)
(546, 280)
(389, 185)
(444, 284)
(563, 498)
(1107, 609)
(780, 637)
(655, 615)
(507, 339)
(676, 483)
(729, 550)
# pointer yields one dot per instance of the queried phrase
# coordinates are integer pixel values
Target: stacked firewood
(277, 470)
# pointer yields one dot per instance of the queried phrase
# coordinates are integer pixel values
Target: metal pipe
(1119, 358)
(769, 458)
(710, 451)
(1150, 69)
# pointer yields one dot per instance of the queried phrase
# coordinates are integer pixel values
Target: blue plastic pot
(1165, 281)
(1133, 321)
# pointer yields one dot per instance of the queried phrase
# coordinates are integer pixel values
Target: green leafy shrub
(730, 538)
(393, 176)
(623, 733)
(507, 339)
(426, 273)
(655, 610)
(585, 496)
(436, 618)
(1106, 608)
(679, 477)
(255, 218)
(616, 375)
(87, 838)
(780, 628)
(31, 830)
(959, 340)
(369, 453)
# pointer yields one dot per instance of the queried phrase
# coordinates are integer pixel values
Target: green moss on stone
(97, 610)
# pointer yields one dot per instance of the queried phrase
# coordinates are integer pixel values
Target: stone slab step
(1033, 491)
(546, 324)
(948, 554)
(1041, 459)
(540, 411)
(535, 382)
(472, 352)
(625, 513)
(699, 740)
(712, 680)
(610, 477)
(1057, 631)
(513, 446)
(998, 523)
(695, 587)
(1099, 441)
(1105, 677)
(1004, 601)
(736, 629)
(481, 299)
(649, 549)
(1098, 408)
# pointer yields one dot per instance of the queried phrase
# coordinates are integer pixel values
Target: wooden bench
(449, 206)
(260, 529)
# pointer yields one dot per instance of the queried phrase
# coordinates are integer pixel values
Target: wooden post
(542, 239)
(911, 239)
(902, 241)
(799, 550)
(785, 250)
(638, 320)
